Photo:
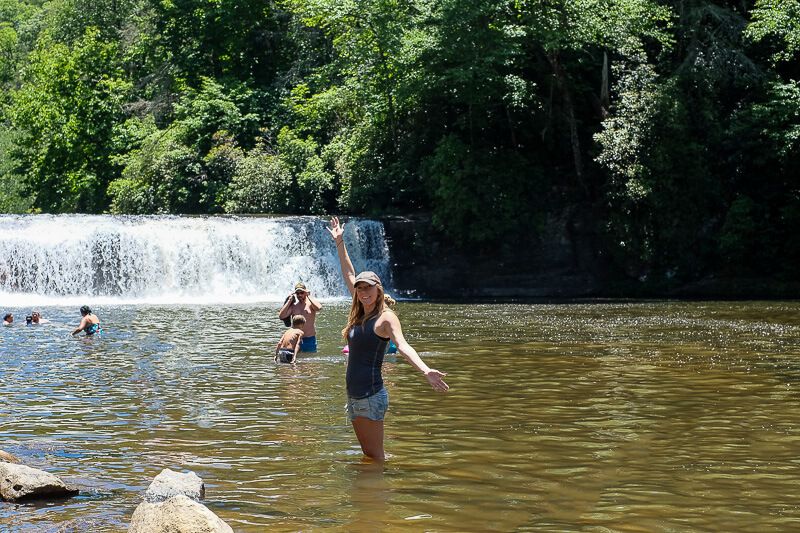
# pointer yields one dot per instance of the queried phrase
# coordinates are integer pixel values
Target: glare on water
(595, 416)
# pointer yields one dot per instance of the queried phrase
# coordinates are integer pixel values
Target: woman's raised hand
(336, 229)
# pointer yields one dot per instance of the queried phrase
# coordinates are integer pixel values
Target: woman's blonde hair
(357, 313)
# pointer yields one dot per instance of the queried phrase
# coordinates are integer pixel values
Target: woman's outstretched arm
(348, 272)
(391, 325)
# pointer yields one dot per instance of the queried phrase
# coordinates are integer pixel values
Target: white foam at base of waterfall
(67, 259)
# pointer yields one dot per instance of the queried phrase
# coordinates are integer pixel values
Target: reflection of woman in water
(369, 497)
(89, 323)
(370, 327)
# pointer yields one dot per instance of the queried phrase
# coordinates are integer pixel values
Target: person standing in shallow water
(89, 323)
(301, 303)
(370, 327)
(287, 348)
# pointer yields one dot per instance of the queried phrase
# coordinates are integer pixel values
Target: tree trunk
(569, 111)
(388, 85)
(605, 99)
(511, 131)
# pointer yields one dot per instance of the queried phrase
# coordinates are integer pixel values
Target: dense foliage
(667, 133)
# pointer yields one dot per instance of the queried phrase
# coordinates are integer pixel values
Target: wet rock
(178, 514)
(6, 457)
(20, 482)
(170, 483)
(172, 506)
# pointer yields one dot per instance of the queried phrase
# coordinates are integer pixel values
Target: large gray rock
(170, 483)
(178, 514)
(6, 457)
(20, 482)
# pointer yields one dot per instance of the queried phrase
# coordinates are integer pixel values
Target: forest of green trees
(671, 128)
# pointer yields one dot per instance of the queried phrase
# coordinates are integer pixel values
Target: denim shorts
(373, 407)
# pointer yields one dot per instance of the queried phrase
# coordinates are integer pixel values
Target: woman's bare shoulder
(387, 317)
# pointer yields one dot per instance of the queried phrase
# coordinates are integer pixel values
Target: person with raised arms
(300, 302)
(370, 327)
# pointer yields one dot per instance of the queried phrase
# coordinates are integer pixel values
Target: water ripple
(618, 416)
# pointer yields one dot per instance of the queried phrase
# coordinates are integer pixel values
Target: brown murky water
(595, 416)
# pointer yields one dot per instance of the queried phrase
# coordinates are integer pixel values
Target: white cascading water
(64, 259)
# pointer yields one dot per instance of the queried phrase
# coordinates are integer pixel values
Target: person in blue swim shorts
(300, 302)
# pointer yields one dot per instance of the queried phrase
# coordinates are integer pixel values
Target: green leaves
(778, 117)
(624, 26)
(777, 21)
(262, 183)
(662, 130)
(314, 184)
(479, 200)
(8, 53)
(179, 169)
(65, 112)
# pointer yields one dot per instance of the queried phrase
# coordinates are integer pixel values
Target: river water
(572, 416)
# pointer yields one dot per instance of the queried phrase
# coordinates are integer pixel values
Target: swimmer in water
(89, 323)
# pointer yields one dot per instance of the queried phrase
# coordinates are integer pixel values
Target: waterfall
(170, 259)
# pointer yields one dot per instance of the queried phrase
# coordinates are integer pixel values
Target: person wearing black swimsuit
(370, 327)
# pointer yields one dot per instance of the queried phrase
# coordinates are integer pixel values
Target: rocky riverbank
(172, 502)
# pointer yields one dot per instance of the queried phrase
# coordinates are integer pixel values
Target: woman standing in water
(370, 327)
(89, 323)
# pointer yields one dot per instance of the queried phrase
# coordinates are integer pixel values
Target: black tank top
(365, 360)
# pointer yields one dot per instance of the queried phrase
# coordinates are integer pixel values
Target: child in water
(289, 345)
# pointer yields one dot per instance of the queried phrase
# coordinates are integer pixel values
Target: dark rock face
(564, 260)
(424, 265)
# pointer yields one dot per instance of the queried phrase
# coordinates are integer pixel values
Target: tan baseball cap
(368, 277)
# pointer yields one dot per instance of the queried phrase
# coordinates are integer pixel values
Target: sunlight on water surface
(594, 416)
